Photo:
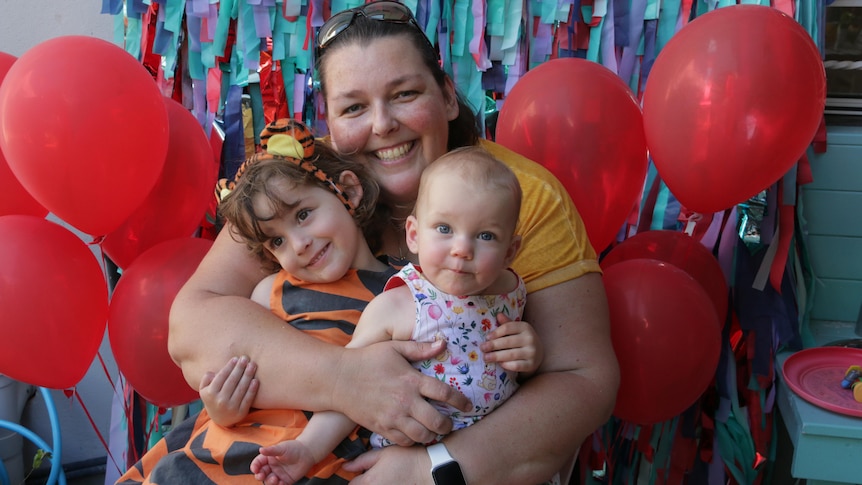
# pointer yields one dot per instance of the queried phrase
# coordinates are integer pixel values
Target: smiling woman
(396, 113)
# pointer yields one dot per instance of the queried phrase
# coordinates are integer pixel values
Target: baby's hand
(515, 345)
(229, 393)
(284, 463)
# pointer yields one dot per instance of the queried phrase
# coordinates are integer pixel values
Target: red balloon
(14, 199)
(138, 319)
(55, 303)
(682, 251)
(666, 337)
(731, 104)
(581, 121)
(177, 204)
(84, 130)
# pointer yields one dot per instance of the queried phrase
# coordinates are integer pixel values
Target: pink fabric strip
(477, 43)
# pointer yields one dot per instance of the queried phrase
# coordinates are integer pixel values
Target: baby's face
(464, 235)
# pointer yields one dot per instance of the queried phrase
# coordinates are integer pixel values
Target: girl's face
(384, 107)
(314, 238)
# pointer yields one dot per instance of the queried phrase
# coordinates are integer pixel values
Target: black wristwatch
(444, 469)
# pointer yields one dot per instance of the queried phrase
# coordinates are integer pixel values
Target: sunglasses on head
(384, 11)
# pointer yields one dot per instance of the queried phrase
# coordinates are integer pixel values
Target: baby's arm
(289, 461)
(515, 345)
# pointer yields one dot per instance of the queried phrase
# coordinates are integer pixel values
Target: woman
(389, 104)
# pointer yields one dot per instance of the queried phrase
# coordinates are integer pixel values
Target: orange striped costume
(199, 451)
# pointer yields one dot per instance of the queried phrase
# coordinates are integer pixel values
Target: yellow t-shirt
(555, 246)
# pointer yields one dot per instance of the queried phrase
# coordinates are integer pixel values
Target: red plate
(816, 373)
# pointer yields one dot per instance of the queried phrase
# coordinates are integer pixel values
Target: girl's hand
(228, 394)
(515, 345)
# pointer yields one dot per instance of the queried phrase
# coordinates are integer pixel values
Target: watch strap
(438, 454)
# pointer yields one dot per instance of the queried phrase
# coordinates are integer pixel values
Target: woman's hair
(238, 206)
(463, 130)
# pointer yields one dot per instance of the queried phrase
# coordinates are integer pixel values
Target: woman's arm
(213, 319)
(539, 428)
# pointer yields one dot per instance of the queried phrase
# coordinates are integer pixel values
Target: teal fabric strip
(257, 119)
(197, 71)
(445, 43)
(238, 75)
(595, 41)
(652, 9)
(133, 37)
(207, 55)
(174, 10)
(225, 14)
(667, 22)
(547, 12)
(664, 452)
(247, 40)
(495, 16)
(433, 21)
(659, 213)
(288, 68)
(120, 30)
(512, 25)
(462, 17)
(411, 4)
(300, 56)
(808, 13)
(469, 81)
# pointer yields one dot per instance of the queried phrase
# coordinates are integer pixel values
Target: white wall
(24, 24)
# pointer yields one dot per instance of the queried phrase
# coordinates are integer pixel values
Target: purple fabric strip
(767, 226)
(137, 7)
(199, 95)
(627, 63)
(726, 246)
(649, 50)
(262, 26)
(622, 22)
(198, 8)
(193, 24)
(163, 40)
(112, 7)
(607, 51)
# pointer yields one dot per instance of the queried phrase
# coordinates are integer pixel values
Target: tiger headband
(292, 141)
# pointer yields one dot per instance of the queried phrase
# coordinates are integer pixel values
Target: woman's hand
(515, 345)
(379, 389)
(393, 464)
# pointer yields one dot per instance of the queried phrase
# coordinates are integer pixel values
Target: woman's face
(384, 106)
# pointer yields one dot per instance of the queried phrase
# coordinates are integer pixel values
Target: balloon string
(98, 433)
(108, 375)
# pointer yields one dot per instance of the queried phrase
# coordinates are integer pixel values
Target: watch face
(448, 474)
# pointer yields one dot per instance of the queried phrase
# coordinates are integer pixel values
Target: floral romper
(463, 322)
